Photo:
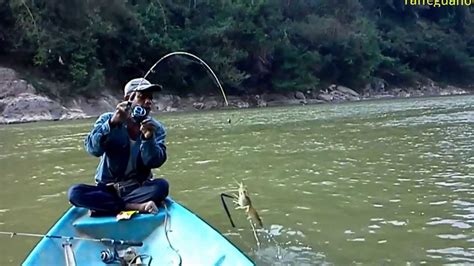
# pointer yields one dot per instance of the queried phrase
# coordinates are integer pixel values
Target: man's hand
(122, 113)
(148, 127)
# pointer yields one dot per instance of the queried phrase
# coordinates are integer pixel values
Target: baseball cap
(140, 84)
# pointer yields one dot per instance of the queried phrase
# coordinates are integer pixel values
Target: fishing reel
(125, 257)
(138, 113)
(109, 256)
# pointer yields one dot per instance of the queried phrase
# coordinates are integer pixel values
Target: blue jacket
(113, 146)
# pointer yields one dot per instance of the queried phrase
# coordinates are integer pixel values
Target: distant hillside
(254, 46)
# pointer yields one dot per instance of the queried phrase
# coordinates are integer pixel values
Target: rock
(286, 102)
(273, 99)
(300, 96)
(106, 102)
(313, 94)
(198, 105)
(455, 90)
(315, 101)
(11, 85)
(348, 91)
(7, 74)
(171, 109)
(353, 98)
(269, 97)
(211, 104)
(168, 102)
(162, 103)
(73, 114)
(337, 93)
(261, 103)
(383, 96)
(27, 107)
(162, 106)
(415, 92)
(332, 87)
(337, 97)
(451, 90)
(325, 97)
(240, 104)
(403, 94)
(176, 101)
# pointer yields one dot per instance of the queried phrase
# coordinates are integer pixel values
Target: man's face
(144, 99)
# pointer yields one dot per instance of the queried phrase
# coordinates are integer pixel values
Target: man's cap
(140, 84)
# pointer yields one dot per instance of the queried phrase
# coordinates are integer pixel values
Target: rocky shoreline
(20, 102)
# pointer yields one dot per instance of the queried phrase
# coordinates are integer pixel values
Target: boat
(174, 236)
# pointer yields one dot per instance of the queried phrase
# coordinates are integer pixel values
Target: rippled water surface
(384, 182)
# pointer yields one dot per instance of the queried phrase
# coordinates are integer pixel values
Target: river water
(382, 182)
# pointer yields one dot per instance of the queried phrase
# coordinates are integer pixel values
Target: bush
(271, 45)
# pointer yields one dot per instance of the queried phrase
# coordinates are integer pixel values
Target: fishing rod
(69, 238)
(214, 76)
(196, 58)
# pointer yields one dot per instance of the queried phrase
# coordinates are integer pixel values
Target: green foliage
(252, 45)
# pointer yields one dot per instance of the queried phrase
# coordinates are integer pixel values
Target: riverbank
(20, 101)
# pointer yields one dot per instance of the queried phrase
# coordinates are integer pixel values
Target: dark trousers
(104, 199)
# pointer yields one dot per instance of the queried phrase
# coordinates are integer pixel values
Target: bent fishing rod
(69, 238)
(214, 76)
(196, 58)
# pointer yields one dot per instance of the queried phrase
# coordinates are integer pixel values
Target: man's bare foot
(150, 207)
(146, 207)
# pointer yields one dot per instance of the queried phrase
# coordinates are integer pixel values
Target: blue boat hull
(196, 242)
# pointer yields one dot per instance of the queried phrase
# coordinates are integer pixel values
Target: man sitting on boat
(129, 143)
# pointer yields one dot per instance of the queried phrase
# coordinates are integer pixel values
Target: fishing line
(255, 233)
(167, 217)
